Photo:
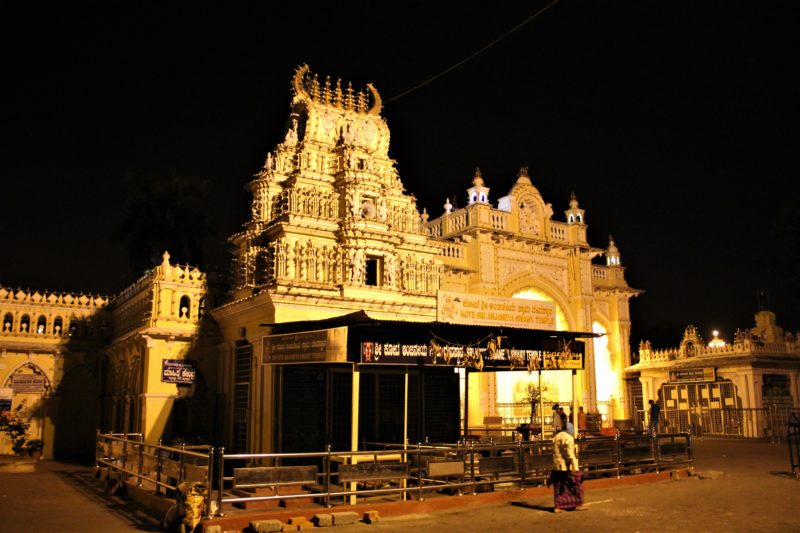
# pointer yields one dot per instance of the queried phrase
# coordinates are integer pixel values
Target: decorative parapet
(766, 339)
(452, 254)
(163, 272)
(26, 313)
(82, 301)
(483, 217)
(604, 277)
(558, 232)
(746, 347)
(167, 295)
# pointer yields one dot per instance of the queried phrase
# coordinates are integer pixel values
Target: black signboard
(554, 355)
(393, 353)
(692, 374)
(178, 371)
(775, 379)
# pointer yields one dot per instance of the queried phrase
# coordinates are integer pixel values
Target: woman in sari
(566, 474)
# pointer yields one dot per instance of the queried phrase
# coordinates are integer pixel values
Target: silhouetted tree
(164, 213)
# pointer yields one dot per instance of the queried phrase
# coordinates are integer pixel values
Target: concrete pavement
(66, 498)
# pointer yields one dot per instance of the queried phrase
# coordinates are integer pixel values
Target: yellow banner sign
(461, 308)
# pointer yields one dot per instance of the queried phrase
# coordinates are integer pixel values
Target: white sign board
(461, 308)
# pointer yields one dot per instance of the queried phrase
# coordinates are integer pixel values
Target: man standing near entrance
(557, 424)
(581, 422)
(655, 412)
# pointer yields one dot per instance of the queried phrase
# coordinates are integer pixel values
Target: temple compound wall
(79, 363)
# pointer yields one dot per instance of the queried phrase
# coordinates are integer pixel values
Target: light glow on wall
(604, 373)
(539, 296)
(511, 386)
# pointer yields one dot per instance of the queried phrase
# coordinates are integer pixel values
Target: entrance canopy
(360, 339)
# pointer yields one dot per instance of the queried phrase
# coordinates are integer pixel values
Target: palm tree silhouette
(164, 213)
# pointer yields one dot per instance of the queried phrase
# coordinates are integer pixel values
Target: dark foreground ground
(742, 486)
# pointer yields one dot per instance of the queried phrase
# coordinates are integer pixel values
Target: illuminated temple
(353, 317)
(745, 388)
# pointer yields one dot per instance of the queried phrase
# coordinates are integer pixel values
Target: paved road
(65, 498)
(746, 487)
(743, 486)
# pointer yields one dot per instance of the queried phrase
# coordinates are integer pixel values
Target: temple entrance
(433, 406)
(315, 407)
(77, 416)
(704, 408)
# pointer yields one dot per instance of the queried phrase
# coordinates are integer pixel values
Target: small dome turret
(478, 193)
(523, 177)
(612, 253)
(575, 215)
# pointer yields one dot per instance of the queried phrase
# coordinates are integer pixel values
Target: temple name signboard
(178, 371)
(27, 383)
(692, 374)
(462, 308)
(321, 346)
(553, 356)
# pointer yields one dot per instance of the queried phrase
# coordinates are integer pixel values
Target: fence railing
(155, 466)
(470, 466)
(767, 423)
(332, 478)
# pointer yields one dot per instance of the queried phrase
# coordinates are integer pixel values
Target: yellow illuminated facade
(79, 363)
(331, 231)
(742, 388)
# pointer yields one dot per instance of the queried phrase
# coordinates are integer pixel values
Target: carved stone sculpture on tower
(389, 270)
(356, 267)
(291, 134)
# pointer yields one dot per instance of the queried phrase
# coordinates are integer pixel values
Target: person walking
(566, 476)
(655, 411)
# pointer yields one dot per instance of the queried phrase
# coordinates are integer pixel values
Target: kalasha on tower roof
(307, 86)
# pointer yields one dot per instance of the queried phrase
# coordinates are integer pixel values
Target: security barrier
(154, 466)
(467, 466)
(793, 440)
(767, 423)
(389, 470)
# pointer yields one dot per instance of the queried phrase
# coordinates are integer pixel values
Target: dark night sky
(673, 122)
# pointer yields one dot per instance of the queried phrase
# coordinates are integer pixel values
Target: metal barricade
(413, 471)
(154, 465)
(793, 441)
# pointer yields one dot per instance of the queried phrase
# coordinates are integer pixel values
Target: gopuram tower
(330, 225)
